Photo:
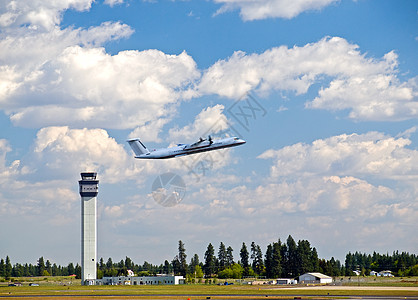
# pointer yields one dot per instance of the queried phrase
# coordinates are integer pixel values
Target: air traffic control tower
(89, 187)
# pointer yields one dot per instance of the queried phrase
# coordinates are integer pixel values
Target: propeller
(210, 140)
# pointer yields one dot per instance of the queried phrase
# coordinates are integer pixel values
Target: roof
(319, 275)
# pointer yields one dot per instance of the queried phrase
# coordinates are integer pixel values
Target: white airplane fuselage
(142, 152)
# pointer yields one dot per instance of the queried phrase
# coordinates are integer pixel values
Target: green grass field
(66, 286)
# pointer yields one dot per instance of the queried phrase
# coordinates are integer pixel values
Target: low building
(141, 280)
(316, 278)
(386, 273)
(286, 281)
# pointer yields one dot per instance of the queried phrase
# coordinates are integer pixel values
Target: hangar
(314, 278)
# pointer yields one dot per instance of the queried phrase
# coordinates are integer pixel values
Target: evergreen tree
(41, 266)
(210, 259)
(176, 265)
(222, 257)
(17, 270)
(70, 269)
(78, 271)
(109, 264)
(336, 267)
(259, 266)
(128, 263)
(193, 263)
(283, 255)
(229, 256)
(314, 260)
(167, 267)
(244, 255)
(253, 249)
(182, 259)
(277, 260)
(291, 258)
(101, 264)
(2, 268)
(48, 267)
(8, 269)
(304, 257)
(269, 261)
(26, 271)
(257, 257)
(274, 260)
(55, 270)
(349, 264)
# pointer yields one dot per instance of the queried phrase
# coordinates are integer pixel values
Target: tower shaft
(89, 188)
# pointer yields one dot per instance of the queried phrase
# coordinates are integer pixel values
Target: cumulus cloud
(369, 154)
(7, 171)
(68, 76)
(257, 10)
(368, 88)
(336, 204)
(38, 13)
(209, 121)
(320, 196)
(66, 151)
(88, 86)
(27, 199)
(337, 176)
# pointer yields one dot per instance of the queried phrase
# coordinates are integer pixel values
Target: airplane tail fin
(138, 147)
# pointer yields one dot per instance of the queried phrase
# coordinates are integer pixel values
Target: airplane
(202, 145)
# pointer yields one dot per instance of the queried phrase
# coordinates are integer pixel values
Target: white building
(286, 281)
(314, 278)
(386, 273)
(142, 280)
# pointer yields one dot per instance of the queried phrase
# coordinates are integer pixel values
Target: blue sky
(331, 156)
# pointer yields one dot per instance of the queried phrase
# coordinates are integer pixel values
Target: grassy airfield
(66, 287)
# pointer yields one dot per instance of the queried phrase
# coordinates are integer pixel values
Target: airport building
(314, 278)
(142, 280)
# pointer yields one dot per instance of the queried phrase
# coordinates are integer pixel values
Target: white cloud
(66, 151)
(209, 121)
(68, 76)
(149, 131)
(75, 87)
(6, 171)
(338, 205)
(24, 199)
(263, 9)
(112, 3)
(370, 154)
(368, 88)
(329, 183)
(113, 211)
(375, 97)
(45, 14)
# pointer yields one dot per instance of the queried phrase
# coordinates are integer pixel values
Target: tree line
(287, 259)
(401, 264)
(42, 268)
